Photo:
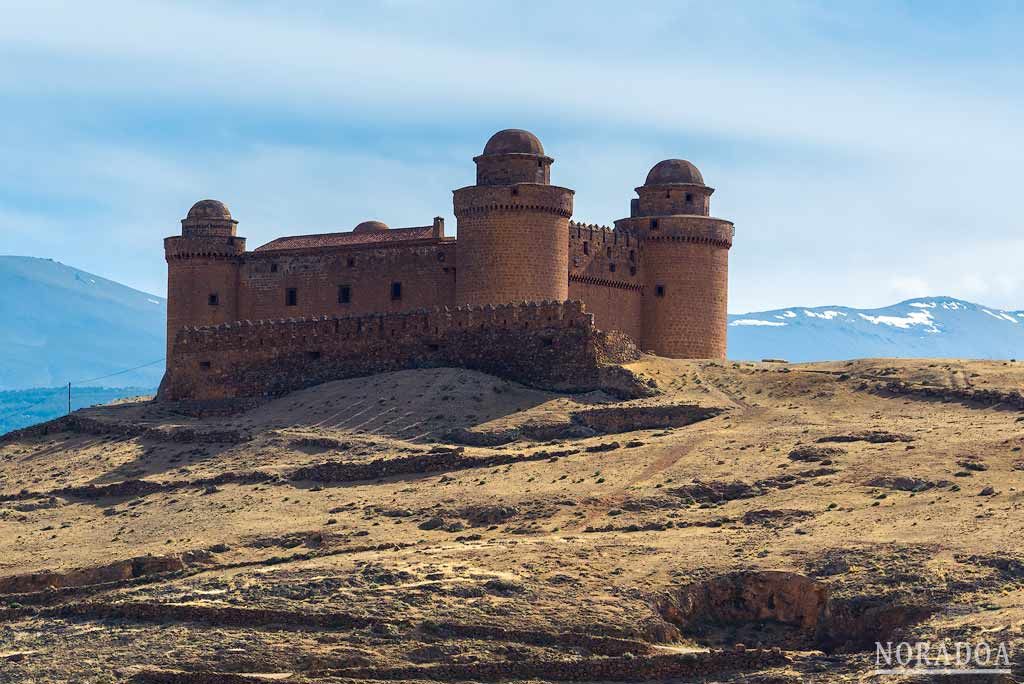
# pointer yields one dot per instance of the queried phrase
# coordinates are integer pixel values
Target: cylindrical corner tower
(686, 263)
(202, 269)
(513, 226)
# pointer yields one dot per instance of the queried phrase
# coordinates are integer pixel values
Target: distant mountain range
(941, 327)
(60, 324)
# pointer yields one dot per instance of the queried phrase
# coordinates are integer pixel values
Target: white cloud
(827, 159)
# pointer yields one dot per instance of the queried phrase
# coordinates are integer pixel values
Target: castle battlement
(435, 321)
(519, 265)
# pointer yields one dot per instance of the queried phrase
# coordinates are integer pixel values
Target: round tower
(202, 269)
(685, 264)
(513, 226)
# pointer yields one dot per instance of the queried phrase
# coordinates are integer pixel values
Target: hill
(62, 324)
(930, 327)
(753, 522)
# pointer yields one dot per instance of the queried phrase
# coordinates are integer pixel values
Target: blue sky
(867, 152)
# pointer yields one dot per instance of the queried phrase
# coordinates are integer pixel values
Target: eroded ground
(753, 522)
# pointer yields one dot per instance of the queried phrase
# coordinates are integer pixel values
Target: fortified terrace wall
(550, 345)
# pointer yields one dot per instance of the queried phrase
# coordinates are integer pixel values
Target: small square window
(689, 198)
(273, 268)
(654, 224)
(659, 290)
(313, 355)
(586, 247)
(611, 267)
(291, 297)
(344, 294)
(396, 291)
(213, 299)
(204, 365)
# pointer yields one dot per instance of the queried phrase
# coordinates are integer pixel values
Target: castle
(660, 276)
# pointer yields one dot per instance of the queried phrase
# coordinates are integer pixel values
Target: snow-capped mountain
(941, 327)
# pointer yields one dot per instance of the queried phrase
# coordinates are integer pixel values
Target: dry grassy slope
(528, 560)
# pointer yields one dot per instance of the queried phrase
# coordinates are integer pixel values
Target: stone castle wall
(552, 345)
(606, 274)
(686, 284)
(425, 274)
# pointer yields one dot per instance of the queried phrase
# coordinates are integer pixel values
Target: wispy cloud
(849, 145)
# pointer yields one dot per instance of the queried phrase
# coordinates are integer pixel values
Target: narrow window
(632, 255)
(396, 292)
(654, 224)
(291, 297)
(214, 299)
(632, 270)
(273, 268)
(609, 252)
(344, 294)
(351, 262)
(689, 198)
(586, 247)
(611, 267)
(659, 291)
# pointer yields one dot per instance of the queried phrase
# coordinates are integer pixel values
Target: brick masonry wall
(665, 200)
(614, 308)
(197, 268)
(686, 256)
(552, 345)
(513, 243)
(690, 320)
(606, 274)
(426, 273)
(603, 253)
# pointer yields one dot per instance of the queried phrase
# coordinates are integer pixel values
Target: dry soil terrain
(750, 523)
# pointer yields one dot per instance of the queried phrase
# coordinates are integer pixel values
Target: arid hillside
(750, 523)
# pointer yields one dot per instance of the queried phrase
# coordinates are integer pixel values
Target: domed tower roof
(513, 156)
(208, 218)
(673, 171)
(209, 209)
(513, 141)
(370, 227)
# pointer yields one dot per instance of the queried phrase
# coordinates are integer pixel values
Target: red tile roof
(350, 238)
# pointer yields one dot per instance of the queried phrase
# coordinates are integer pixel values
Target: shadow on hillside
(156, 457)
(418, 406)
